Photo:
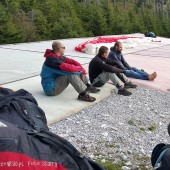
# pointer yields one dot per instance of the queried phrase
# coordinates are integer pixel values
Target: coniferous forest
(37, 20)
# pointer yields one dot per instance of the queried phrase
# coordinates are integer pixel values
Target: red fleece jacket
(63, 63)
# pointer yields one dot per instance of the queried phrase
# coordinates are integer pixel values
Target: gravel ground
(120, 128)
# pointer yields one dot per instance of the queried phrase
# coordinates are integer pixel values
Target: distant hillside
(35, 20)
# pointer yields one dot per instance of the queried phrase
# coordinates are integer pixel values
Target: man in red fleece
(58, 71)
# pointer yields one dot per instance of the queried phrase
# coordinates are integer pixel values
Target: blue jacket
(49, 76)
(119, 58)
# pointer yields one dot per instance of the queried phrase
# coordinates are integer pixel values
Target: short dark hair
(117, 44)
(102, 50)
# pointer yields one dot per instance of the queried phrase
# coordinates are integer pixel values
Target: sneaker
(130, 85)
(92, 89)
(124, 92)
(86, 98)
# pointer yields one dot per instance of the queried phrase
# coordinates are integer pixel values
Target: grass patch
(98, 153)
(109, 165)
(110, 145)
(131, 122)
(142, 129)
(142, 167)
(143, 158)
(152, 128)
(143, 161)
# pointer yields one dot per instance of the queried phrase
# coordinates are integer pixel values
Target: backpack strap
(158, 161)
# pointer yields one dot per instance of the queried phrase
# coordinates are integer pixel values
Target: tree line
(36, 20)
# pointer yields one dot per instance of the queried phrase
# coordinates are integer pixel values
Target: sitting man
(101, 69)
(58, 71)
(116, 55)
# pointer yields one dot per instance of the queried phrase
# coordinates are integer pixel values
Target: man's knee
(74, 77)
(98, 84)
(111, 75)
(56, 92)
(134, 69)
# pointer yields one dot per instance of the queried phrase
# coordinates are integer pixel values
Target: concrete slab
(19, 61)
(19, 64)
(161, 51)
(151, 64)
(62, 106)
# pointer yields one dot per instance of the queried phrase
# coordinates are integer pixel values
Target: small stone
(125, 168)
(114, 128)
(105, 134)
(147, 167)
(129, 152)
(103, 126)
(124, 157)
(91, 156)
(162, 116)
(160, 123)
(128, 163)
(135, 167)
(142, 151)
(103, 160)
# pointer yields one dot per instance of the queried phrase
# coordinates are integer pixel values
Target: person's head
(58, 48)
(103, 51)
(118, 47)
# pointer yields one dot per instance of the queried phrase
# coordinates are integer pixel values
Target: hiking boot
(92, 89)
(124, 92)
(130, 85)
(86, 98)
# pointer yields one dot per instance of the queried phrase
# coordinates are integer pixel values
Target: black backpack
(150, 34)
(25, 137)
(160, 157)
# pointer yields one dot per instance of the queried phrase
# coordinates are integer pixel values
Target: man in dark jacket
(116, 55)
(58, 71)
(102, 69)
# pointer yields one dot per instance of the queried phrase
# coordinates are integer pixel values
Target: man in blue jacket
(116, 55)
(59, 71)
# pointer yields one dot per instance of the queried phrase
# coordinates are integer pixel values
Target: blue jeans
(136, 73)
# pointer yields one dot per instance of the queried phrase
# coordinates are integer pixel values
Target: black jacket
(99, 64)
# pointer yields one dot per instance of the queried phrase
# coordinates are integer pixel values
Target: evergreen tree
(108, 8)
(135, 21)
(8, 31)
(67, 23)
(94, 19)
(23, 20)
